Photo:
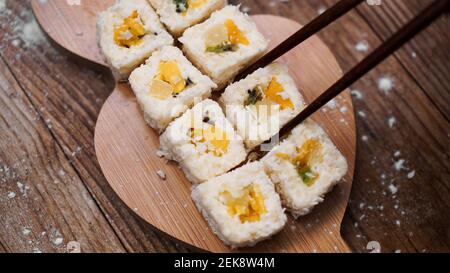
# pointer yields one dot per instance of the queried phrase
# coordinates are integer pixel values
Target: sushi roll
(224, 44)
(305, 167)
(128, 33)
(178, 15)
(242, 206)
(259, 105)
(203, 142)
(167, 85)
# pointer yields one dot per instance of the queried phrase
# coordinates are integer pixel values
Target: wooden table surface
(54, 198)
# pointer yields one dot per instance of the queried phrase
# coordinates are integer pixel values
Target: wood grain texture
(402, 213)
(38, 180)
(73, 33)
(126, 149)
(69, 105)
(420, 133)
(416, 55)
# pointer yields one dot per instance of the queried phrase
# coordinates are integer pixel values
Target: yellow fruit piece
(170, 73)
(136, 27)
(217, 138)
(249, 205)
(283, 156)
(306, 155)
(196, 3)
(235, 35)
(273, 94)
(130, 33)
(160, 89)
(216, 35)
(214, 136)
(307, 151)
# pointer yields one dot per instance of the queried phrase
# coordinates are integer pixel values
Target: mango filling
(268, 96)
(306, 155)
(168, 82)
(273, 93)
(225, 38)
(249, 205)
(131, 32)
(210, 139)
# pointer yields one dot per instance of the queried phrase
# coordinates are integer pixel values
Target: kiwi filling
(225, 37)
(307, 154)
(268, 95)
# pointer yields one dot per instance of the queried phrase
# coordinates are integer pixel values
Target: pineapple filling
(225, 38)
(249, 205)
(131, 32)
(306, 155)
(210, 139)
(168, 82)
(272, 94)
(182, 6)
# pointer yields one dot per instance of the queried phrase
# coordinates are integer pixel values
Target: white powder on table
(362, 46)
(385, 84)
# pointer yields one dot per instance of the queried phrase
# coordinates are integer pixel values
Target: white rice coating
(230, 229)
(176, 22)
(297, 197)
(159, 113)
(224, 66)
(254, 128)
(123, 60)
(197, 165)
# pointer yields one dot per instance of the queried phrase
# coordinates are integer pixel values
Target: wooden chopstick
(329, 16)
(416, 25)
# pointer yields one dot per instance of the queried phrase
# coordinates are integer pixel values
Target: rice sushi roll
(224, 44)
(259, 105)
(305, 167)
(128, 33)
(167, 85)
(242, 206)
(178, 15)
(203, 142)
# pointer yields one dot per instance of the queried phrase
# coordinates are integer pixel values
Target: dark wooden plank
(69, 97)
(427, 60)
(413, 219)
(44, 204)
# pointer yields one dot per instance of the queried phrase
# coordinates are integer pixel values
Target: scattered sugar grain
(391, 121)
(411, 174)
(357, 94)
(26, 231)
(321, 10)
(385, 84)
(393, 189)
(161, 174)
(246, 9)
(73, 247)
(398, 165)
(362, 46)
(58, 241)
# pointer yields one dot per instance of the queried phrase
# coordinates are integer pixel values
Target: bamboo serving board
(126, 147)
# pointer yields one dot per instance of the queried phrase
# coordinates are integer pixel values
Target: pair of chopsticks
(416, 25)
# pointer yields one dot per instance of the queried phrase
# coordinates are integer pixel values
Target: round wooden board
(126, 147)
